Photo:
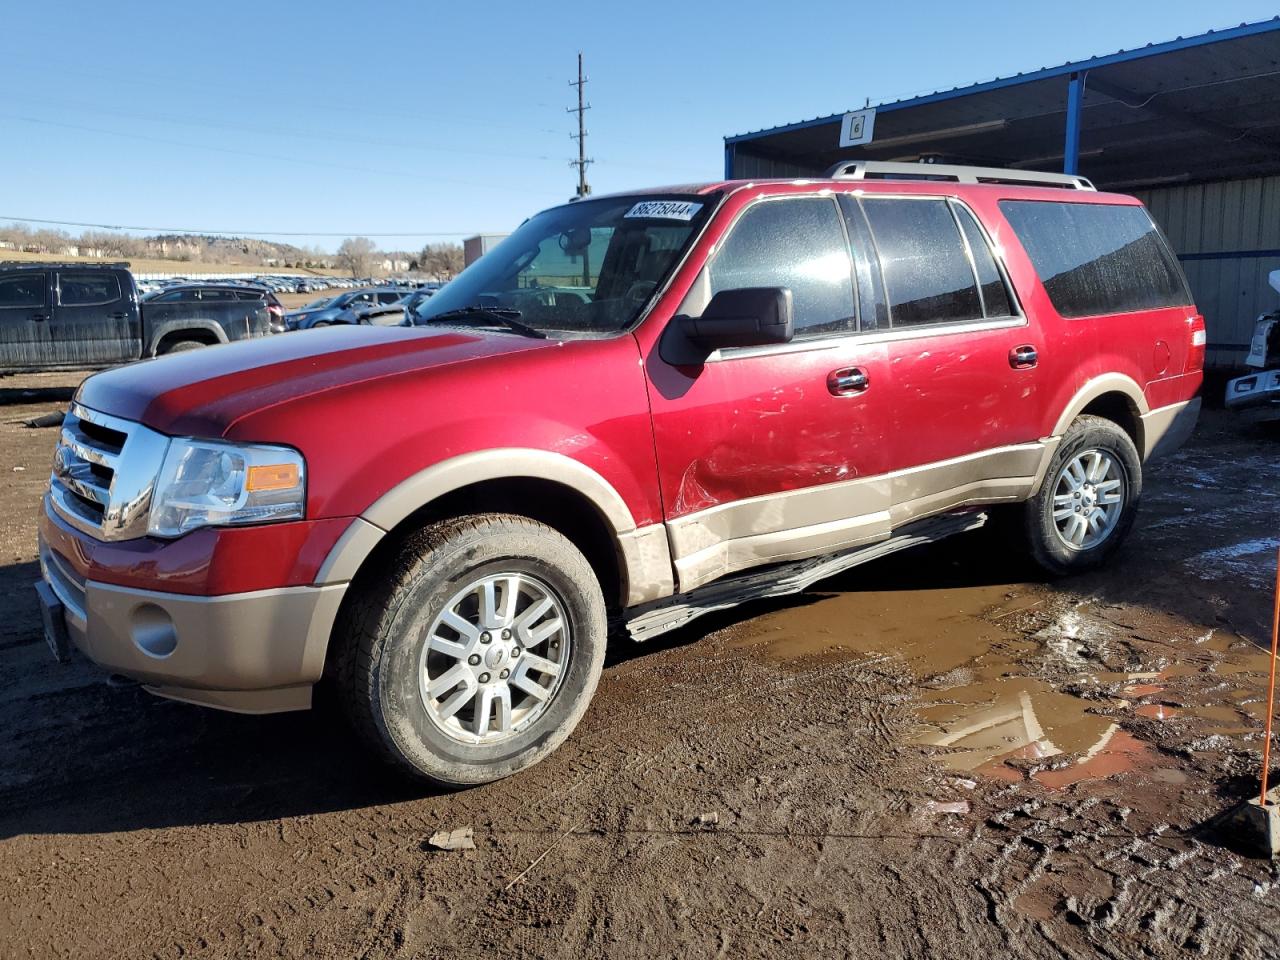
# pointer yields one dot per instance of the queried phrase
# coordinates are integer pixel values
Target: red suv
(636, 409)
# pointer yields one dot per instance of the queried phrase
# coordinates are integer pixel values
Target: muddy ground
(933, 756)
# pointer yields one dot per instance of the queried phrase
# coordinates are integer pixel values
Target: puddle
(983, 707)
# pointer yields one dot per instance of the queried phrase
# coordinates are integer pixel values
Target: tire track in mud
(389, 835)
(1161, 894)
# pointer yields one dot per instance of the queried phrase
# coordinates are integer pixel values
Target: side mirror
(747, 317)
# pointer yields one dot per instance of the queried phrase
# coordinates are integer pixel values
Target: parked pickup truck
(81, 315)
(634, 410)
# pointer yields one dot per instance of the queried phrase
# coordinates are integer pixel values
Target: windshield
(586, 268)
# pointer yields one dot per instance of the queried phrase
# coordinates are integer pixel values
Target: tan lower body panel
(275, 700)
(1165, 429)
(646, 564)
(798, 523)
(254, 652)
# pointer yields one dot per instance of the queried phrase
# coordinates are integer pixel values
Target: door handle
(39, 317)
(119, 315)
(1023, 357)
(847, 381)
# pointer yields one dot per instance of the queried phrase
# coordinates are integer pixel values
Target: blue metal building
(1192, 126)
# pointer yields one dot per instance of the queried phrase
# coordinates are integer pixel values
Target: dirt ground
(933, 756)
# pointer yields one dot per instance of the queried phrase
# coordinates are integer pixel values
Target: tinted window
(798, 244)
(390, 297)
(1097, 258)
(86, 289)
(23, 290)
(926, 269)
(249, 295)
(995, 296)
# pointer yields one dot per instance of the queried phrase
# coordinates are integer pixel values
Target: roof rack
(100, 264)
(887, 170)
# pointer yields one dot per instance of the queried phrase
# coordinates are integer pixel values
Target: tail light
(275, 310)
(1199, 338)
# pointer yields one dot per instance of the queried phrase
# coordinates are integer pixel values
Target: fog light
(153, 631)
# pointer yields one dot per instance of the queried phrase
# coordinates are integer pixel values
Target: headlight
(205, 483)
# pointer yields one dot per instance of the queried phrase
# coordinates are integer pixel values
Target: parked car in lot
(78, 315)
(341, 309)
(636, 409)
(1256, 395)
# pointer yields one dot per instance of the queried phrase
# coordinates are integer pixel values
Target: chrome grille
(104, 469)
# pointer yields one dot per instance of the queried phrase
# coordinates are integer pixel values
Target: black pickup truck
(77, 315)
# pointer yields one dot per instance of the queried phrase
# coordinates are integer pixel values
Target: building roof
(1193, 108)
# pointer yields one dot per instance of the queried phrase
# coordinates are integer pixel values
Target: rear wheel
(179, 346)
(478, 652)
(1088, 500)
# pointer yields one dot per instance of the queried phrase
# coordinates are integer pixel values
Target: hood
(202, 393)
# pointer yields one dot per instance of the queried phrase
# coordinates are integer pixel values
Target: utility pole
(581, 163)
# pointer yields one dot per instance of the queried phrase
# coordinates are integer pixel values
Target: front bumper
(257, 652)
(1255, 396)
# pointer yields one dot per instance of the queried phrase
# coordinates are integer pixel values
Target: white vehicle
(1256, 396)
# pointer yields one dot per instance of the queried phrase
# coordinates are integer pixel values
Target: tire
(384, 631)
(1052, 542)
(184, 345)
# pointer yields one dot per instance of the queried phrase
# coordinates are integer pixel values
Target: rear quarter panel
(1148, 347)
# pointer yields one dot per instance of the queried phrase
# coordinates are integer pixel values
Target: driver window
(796, 243)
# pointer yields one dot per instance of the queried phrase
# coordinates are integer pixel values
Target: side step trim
(652, 619)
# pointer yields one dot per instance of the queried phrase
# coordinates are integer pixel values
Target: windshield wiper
(508, 317)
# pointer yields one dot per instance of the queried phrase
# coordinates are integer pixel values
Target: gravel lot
(931, 756)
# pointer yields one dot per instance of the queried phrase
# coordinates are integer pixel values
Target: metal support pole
(1071, 149)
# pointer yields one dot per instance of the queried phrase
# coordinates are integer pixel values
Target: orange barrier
(1271, 688)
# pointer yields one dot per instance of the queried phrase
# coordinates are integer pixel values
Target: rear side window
(995, 295)
(926, 267)
(27, 289)
(797, 243)
(87, 289)
(1097, 258)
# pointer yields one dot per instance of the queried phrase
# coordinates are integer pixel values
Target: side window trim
(920, 198)
(853, 267)
(868, 288)
(882, 286)
(943, 327)
(968, 255)
(997, 255)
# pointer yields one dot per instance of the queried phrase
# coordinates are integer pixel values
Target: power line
(236, 233)
(205, 148)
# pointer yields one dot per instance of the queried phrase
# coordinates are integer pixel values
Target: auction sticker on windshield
(665, 209)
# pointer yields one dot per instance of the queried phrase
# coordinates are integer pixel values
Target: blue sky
(418, 118)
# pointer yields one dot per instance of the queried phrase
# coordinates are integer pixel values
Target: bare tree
(356, 254)
(441, 260)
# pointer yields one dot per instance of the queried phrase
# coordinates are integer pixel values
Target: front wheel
(1088, 500)
(477, 652)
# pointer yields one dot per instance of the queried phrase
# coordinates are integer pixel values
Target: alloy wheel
(494, 659)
